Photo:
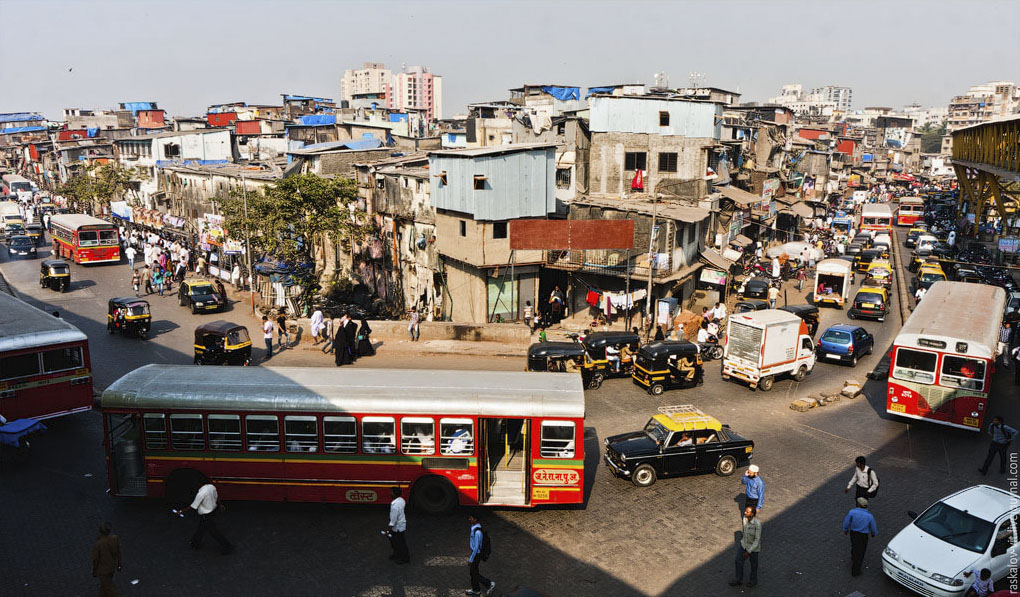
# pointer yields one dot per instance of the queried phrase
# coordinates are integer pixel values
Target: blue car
(845, 343)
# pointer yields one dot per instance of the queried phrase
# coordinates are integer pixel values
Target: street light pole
(651, 265)
(247, 244)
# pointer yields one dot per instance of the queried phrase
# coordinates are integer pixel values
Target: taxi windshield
(932, 277)
(869, 297)
(656, 431)
(201, 290)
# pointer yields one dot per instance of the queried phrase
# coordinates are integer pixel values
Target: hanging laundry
(593, 298)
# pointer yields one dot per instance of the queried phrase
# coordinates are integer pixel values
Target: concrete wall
(467, 299)
(477, 247)
(607, 175)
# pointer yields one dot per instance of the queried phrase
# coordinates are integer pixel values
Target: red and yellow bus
(322, 434)
(44, 363)
(909, 211)
(84, 239)
(876, 216)
(943, 358)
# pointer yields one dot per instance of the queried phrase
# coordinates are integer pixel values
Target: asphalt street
(674, 538)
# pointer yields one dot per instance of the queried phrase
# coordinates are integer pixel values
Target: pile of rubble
(851, 389)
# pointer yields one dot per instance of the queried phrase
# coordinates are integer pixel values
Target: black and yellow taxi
(128, 315)
(35, 232)
(927, 275)
(222, 343)
(200, 295)
(863, 259)
(871, 302)
(880, 273)
(912, 234)
(610, 354)
(679, 440)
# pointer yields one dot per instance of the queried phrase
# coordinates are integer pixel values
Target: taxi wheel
(765, 383)
(644, 476)
(657, 389)
(725, 466)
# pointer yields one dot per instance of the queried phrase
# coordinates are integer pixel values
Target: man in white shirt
(719, 312)
(129, 252)
(398, 525)
(864, 479)
(267, 334)
(206, 503)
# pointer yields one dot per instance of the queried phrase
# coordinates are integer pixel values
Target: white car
(882, 239)
(972, 529)
(926, 241)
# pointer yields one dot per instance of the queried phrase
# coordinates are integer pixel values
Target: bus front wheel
(434, 495)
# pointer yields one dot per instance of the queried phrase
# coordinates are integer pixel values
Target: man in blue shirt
(1001, 436)
(754, 489)
(477, 580)
(859, 523)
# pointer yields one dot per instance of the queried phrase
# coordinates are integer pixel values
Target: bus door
(505, 461)
(127, 465)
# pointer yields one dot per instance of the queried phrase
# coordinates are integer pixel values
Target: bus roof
(349, 390)
(953, 312)
(876, 209)
(75, 221)
(23, 326)
(911, 200)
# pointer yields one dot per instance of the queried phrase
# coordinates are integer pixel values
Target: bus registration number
(900, 408)
(539, 493)
(970, 421)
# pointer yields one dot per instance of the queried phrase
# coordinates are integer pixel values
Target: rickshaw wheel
(143, 335)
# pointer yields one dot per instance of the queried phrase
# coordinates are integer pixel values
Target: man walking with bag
(1001, 435)
(479, 552)
(398, 526)
(747, 549)
(864, 479)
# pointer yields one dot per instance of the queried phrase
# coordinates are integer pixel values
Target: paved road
(673, 538)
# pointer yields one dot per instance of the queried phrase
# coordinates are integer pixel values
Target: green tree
(289, 218)
(98, 184)
(931, 137)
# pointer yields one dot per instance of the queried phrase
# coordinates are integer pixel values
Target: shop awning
(741, 241)
(739, 196)
(800, 209)
(716, 260)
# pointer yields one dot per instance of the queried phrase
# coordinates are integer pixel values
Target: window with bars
(417, 435)
(340, 435)
(635, 160)
(155, 431)
(557, 439)
(301, 433)
(456, 437)
(667, 162)
(224, 432)
(262, 433)
(186, 432)
(378, 435)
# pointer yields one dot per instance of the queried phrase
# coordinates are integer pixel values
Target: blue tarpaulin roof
(164, 163)
(136, 106)
(593, 90)
(20, 116)
(563, 93)
(318, 119)
(299, 98)
(22, 129)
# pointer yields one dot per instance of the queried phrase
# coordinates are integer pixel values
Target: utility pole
(651, 266)
(247, 244)
(626, 301)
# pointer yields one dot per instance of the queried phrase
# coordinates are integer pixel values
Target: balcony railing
(611, 263)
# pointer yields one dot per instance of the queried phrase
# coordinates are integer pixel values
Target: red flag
(638, 183)
(33, 152)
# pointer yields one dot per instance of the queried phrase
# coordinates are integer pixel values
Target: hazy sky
(187, 55)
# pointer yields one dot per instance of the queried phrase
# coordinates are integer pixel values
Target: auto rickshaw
(222, 343)
(600, 345)
(129, 315)
(563, 357)
(668, 364)
(55, 274)
(748, 305)
(809, 313)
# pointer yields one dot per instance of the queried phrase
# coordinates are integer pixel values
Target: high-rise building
(923, 116)
(982, 103)
(367, 82)
(413, 88)
(822, 101)
(841, 96)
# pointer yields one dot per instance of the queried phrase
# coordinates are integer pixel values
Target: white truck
(761, 345)
(833, 279)
(860, 197)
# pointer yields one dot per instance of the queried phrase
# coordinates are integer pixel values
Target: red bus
(876, 216)
(321, 434)
(84, 239)
(943, 358)
(44, 363)
(910, 210)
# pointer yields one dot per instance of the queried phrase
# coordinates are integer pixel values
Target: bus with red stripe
(44, 363)
(909, 211)
(84, 239)
(876, 216)
(321, 434)
(942, 361)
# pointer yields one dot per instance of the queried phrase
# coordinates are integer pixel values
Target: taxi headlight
(891, 553)
(947, 580)
(199, 304)
(623, 458)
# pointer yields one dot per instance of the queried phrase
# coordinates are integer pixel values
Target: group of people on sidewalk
(344, 338)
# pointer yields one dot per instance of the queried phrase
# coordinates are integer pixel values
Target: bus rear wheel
(434, 495)
(182, 485)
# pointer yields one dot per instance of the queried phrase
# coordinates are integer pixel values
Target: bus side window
(225, 432)
(378, 435)
(417, 435)
(557, 439)
(301, 434)
(62, 359)
(340, 434)
(456, 437)
(186, 432)
(155, 431)
(262, 432)
(21, 365)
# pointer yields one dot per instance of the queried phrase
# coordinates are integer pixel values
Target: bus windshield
(915, 365)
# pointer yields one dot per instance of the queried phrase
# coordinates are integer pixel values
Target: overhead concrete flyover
(986, 158)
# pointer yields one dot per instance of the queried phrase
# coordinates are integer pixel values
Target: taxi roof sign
(685, 417)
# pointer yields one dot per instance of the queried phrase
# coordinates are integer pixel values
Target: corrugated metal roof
(493, 150)
(23, 326)
(665, 209)
(335, 390)
(716, 260)
(738, 196)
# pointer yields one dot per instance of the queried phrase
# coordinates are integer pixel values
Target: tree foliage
(931, 137)
(286, 219)
(98, 183)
